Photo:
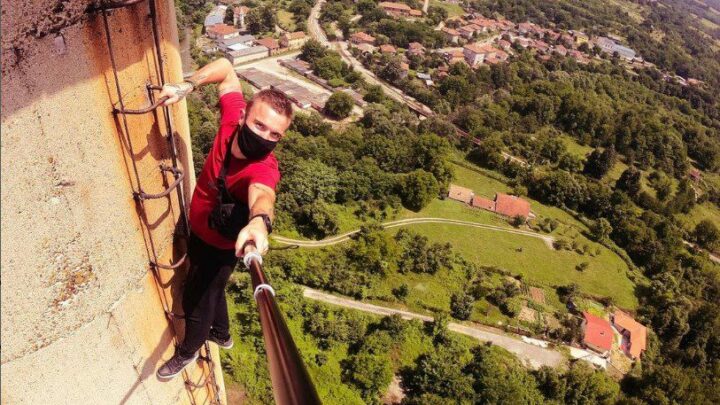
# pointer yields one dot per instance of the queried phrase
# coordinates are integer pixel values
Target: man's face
(266, 122)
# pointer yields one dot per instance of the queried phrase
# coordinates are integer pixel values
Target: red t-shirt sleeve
(232, 108)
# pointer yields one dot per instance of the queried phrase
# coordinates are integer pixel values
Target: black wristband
(266, 220)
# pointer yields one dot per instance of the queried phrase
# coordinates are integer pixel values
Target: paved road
(532, 355)
(410, 221)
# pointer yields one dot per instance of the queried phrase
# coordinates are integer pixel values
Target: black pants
(204, 301)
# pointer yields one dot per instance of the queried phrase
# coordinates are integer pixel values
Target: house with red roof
(512, 206)
(451, 34)
(597, 333)
(362, 38)
(387, 48)
(394, 9)
(483, 203)
(270, 43)
(415, 48)
(634, 334)
(222, 31)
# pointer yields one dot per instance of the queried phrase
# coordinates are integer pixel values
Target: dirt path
(411, 221)
(531, 355)
(711, 256)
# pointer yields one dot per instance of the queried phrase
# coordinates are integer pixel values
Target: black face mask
(252, 145)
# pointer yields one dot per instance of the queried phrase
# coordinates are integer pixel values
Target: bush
(339, 105)
(461, 306)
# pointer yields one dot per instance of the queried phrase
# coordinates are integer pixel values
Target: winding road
(410, 221)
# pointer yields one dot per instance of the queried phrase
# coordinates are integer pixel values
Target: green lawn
(286, 20)
(452, 9)
(706, 210)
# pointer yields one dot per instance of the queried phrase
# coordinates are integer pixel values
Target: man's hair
(276, 99)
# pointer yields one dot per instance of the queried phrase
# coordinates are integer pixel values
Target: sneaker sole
(167, 377)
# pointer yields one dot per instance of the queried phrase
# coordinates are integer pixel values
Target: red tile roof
(387, 48)
(598, 332)
(362, 37)
(638, 332)
(511, 205)
(268, 42)
(450, 31)
(416, 13)
(222, 29)
(484, 203)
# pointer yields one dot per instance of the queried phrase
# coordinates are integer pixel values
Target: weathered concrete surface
(83, 318)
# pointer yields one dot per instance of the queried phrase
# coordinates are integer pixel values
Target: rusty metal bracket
(145, 110)
(174, 266)
(179, 176)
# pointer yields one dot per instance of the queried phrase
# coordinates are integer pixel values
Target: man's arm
(218, 71)
(261, 200)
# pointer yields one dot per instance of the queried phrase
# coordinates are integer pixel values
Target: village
(472, 39)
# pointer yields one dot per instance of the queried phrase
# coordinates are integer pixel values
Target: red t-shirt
(240, 174)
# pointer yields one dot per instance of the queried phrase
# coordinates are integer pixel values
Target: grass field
(286, 20)
(606, 274)
(706, 210)
(452, 9)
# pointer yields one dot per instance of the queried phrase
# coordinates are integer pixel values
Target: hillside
(620, 166)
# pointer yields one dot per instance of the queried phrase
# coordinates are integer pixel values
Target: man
(232, 204)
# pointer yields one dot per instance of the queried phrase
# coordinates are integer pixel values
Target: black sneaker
(224, 343)
(175, 365)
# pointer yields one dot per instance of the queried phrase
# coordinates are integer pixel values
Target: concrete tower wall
(82, 314)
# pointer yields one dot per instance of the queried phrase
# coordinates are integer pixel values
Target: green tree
(499, 378)
(312, 50)
(707, 234)
(375, 94)
(310, 125)
(261, 19)
(339, 105)
(438, 372)
(319, 219)
(599, 163)
(461, 305)
(370, 373)
(588, 386)
(629, 181)
(601, 229)
(401, 292)
(229, 16)
(310, 180)
(418, 189)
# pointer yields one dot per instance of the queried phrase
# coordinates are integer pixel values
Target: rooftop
(222, 29)
(598, 332)
(638, 332)
(268, 42)
(511, 205)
